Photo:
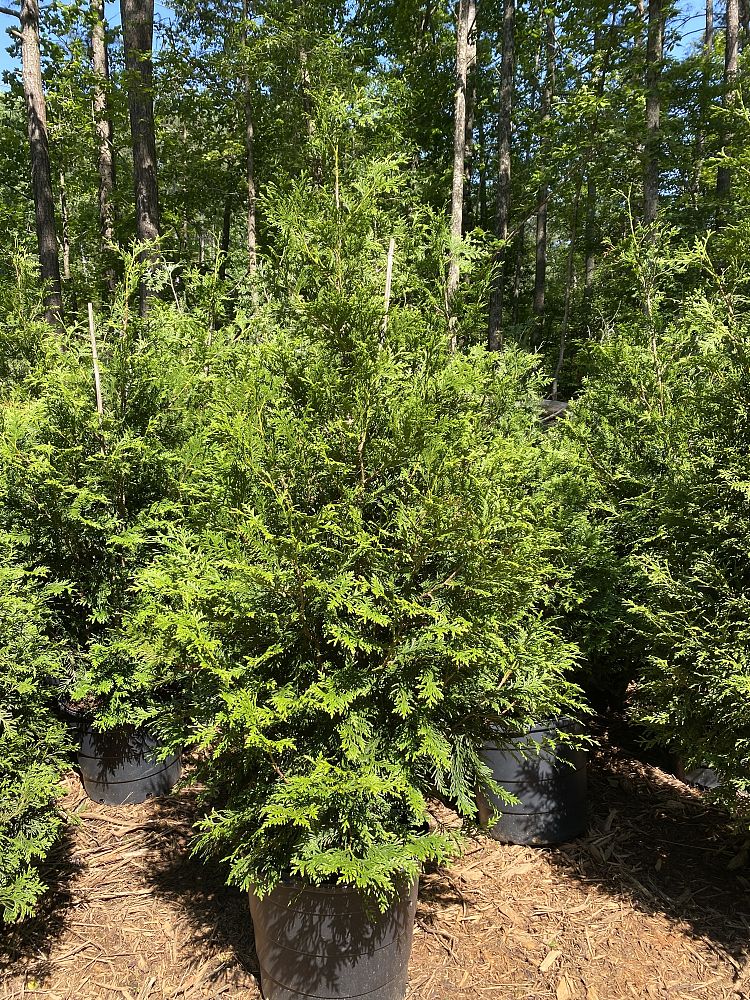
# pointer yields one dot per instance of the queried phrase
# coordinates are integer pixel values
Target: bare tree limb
(10, 12)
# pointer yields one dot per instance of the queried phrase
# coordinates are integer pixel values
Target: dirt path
(645, 906)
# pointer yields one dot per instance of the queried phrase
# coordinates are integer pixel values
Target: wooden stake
(95, 359)
(388, 277)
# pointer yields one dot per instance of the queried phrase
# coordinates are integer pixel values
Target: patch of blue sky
(10, 59)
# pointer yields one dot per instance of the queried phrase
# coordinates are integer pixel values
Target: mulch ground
(653, 903)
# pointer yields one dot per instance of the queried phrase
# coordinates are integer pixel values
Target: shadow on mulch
(665, 847)
(33, 939)
(218, 915)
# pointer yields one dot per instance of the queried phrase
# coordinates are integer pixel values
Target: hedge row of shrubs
(333, 559)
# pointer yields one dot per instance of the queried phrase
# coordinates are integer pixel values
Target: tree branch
(10, 12)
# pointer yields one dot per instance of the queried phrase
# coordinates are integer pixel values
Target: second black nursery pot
(120, 766)
(549, 782)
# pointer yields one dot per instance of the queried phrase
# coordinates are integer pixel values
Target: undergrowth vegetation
(663, 437)
(33, 744)
(311, 541)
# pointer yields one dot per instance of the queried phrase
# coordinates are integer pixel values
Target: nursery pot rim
(552, 722)
(339, 888)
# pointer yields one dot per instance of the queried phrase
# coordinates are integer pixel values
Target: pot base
(119, 767)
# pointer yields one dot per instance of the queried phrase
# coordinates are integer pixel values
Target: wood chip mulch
(652, 903)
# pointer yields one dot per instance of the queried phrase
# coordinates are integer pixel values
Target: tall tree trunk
(651, 152)
(423, 27)
(459, 145)
(471, 102)
(104, 131)
(540, 266)
(731, 57)
(41, 178)
(483, 210)
(518, 273)
(64, 228)
(138, 32)
(307, 108)
(591, 241)
(502, 218)
(591, 235)
(226, 232)
(700, 137)
(252, 230)
(744, 14)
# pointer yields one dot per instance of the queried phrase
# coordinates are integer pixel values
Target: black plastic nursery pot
(326, 943)
(120, 766)
(549, 783)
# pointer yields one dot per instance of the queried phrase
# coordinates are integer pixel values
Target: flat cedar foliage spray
(86, 498)
(33, 744)
(663, 442)
(356, 599)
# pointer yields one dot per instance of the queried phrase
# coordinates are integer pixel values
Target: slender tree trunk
(700, 137)
(591, 235)
(104, 131)
(540, 267)
(252, 231)
(540, 264)
(65, 233)
(744, 14)
(138, 32)
(459, 145)
(570, 286)
(471, 103)
(307, 108)
(651, 152)
(518, 273)
(483, 210)
(731, 58)
(640, 39)
(41, 178)
(423, 27)
(592, 243)
(64, 228)
(226, 232)
(502, 218)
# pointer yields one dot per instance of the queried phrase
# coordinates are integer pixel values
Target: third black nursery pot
(329, 943)
(550, 784)
(120, 766)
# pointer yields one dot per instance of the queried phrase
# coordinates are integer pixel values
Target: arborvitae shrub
(88, 499)
(358, 598)
(665, 437)
(33, 743)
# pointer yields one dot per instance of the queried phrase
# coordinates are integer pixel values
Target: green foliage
(663, 430)
(33, 744)
(85, 497)
(24, 336)
(358, 595)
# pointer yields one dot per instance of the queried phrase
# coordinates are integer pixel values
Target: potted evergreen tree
(34, 746)
(86, 494)
(356, 593)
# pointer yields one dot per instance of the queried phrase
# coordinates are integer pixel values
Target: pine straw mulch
(644, 906)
